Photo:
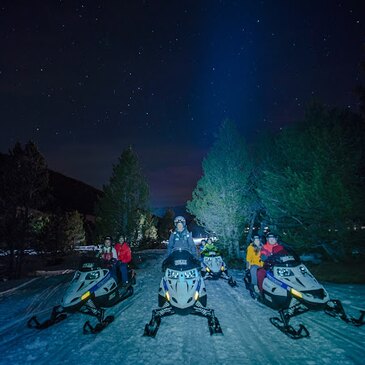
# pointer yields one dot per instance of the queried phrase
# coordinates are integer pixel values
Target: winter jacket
(124, 252)
(209, 247)
(107, 253)
(253, 256)
(268, 250)
(183, 240)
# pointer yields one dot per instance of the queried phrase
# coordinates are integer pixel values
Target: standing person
(124, 255)
(181, 238)
(253, 259)
(271, 247)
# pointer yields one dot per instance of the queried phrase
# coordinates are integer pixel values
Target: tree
(24, 186)
(166, 224)
(124, 200)
(146, 231)
(74, 232)
(312, 188)
(220, 201)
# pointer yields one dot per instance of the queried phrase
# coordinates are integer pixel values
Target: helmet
(108, 238)
(271, 235)
(255, 237)
(180, 219)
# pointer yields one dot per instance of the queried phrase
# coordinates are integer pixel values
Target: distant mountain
(70, 194)
(67, 194)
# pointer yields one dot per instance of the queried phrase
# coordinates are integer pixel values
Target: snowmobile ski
(289, 330)
(214, 326)
(56, 317)
(334, 308)
(152, 327)
(89, 329)
(232, 282)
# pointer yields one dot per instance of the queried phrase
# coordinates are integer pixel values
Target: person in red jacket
(271, 247)
(124, 255)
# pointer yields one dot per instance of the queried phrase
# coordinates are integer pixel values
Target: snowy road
(249, 338)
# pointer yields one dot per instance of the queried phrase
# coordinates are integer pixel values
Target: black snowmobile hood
(181, 260)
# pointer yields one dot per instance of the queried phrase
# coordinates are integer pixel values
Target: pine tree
(24, 186)
(125, 199)
(312, 188)
(74, 232)
(166, 224)
(220, 201)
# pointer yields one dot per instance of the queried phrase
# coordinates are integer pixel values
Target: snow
(249, 337)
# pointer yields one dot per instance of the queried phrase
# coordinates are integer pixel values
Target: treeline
(306, 183)
(32, 217)
(26, 220)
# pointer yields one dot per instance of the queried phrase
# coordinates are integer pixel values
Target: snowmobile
(213, 267)
(93, 288)
(290, 288)
(182, 291)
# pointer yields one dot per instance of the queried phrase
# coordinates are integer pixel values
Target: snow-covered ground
(249, 337)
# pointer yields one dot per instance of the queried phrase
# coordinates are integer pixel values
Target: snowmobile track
(249, 338)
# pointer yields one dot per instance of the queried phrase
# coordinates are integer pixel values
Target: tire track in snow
(248, 330)
(351, 341)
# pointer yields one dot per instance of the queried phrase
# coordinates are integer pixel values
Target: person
(270, 248)
(209, 247)
(253, 259)
(107, 252)
(200, 248)
(124, 255)
(108, 255)
(181, 238)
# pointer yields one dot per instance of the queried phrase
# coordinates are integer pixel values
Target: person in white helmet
(181, 238)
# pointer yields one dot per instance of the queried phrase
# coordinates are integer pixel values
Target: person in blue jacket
(181, 238)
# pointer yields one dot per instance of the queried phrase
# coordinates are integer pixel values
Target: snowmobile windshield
(89, 264)
(181, 260)
(283, 260)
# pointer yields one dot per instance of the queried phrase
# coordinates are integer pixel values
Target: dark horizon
(84, 81)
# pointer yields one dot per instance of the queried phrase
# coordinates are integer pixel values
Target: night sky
(86, 79)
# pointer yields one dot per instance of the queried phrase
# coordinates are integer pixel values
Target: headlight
(92, 275)
(172, 274)
(303, 270)
(284, 272)
(190, 274)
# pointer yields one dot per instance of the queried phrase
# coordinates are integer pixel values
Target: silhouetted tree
(125, 199)
(24, 186)
(311, 191)
(166, 224)
(220, 200)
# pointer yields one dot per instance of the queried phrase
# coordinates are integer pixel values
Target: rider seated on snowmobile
(209, 247)
(181, 238)
(107, 252)
(200, 248)
(253, 259)
(270, 248)
(108, 255)
(124, 255)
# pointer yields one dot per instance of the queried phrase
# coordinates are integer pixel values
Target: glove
(263, 257)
